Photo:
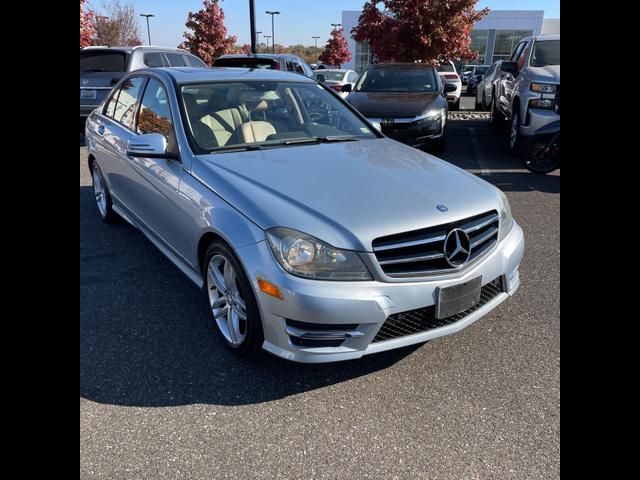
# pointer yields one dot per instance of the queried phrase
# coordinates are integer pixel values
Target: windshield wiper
(237, 148)
(320, 139)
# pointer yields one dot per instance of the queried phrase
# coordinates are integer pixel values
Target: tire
(243, 336)
(102, 195)
(533, 156)
(497, 119)
(478, 106)
(515, 137)
(455, 106)
(484, 102)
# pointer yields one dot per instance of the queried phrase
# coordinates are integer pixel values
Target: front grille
(424, 319)
(421, 252)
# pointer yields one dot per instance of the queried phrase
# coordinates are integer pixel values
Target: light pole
(148, 30)
(252, 24)
(267, 37)
(316, 39)
(258, 44)
(273, 35)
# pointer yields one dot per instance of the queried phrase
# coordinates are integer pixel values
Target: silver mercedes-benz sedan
(313, 236)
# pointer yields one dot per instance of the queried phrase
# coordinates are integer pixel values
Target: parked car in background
(315, 237)
(336, 79)
(102, 67)
(278, 61)
(406, 99)
(448, 74)
(474, 78)
(484, 89)
(466, 70)
(525, 92)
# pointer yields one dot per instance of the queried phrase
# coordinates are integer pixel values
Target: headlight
(543, 87)
(545, 103)
(430, 115)
(506, 219)
(303, 255)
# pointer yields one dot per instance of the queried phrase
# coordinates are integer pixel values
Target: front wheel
(538, 156)
(455, 106)
(515, 137)
(497, 118)
(232, 302)
(102, 195)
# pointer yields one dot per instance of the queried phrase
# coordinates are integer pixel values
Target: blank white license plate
(88, 94)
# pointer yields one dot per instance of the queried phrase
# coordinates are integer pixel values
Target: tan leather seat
(256, 130)
(201, 131)
(222, 119)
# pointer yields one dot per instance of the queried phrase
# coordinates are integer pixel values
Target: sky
(298, 22)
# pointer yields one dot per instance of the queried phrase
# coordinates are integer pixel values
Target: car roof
(399, 64)
(256, 55)
(138, 47)
(184, 75)
(332, 70)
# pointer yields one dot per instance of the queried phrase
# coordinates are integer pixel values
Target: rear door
(100, 70)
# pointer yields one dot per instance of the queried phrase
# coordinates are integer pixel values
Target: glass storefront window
(363, 56)
(506, 41)
(479, 44)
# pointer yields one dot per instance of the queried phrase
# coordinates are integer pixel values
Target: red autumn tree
(87, 25)
(209, 39)
(418, 30)
(336, 51)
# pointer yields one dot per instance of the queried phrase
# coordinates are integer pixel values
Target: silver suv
(526, 88)
(102, 67)
(313, 235)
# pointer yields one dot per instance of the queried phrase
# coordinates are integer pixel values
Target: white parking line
(484, 169)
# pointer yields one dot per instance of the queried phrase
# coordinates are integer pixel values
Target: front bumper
(536, 118)
(365, 304)
(416, 134)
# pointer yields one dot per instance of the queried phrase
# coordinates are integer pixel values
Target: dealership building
(494, 37)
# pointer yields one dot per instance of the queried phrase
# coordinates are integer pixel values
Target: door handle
(101, 130)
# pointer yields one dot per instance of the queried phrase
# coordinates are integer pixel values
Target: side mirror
(321, 78)
(148, 145)
(509, 67)
(449, 87)
(346, 88)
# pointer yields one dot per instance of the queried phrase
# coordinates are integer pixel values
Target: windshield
(545, 53)
(102, 61)
(398, 80)
(328, 75)
(255, 114)
(263, 63)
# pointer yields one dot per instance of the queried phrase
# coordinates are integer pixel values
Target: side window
(517, 51)
(154, 59)
(522, 59)
(290, 66)
(353, 76)
(155, 114)
(111, 104)
(298, 67)
(194, 61)
(125, 106)
(176, 60)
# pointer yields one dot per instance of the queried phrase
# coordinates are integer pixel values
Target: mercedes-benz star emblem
(85, 81)
(442, 208)
(457, 248)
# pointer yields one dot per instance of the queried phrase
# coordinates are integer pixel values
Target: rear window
(263, 63)
(103, 61)
(446, 67)
(176, 60)
(195, 61)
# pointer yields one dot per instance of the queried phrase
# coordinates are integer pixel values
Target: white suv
(448, 74)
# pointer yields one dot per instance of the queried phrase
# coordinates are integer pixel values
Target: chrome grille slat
(421, 252)
(484, 237)
(411, 243)
(394, 260)
(480, 223)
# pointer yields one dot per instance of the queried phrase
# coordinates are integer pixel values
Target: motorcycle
(541, 151)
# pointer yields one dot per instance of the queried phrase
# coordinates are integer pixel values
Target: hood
(346, 194)
(549, 74)
(392, 104)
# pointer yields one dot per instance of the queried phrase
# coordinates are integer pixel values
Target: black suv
(278, 61)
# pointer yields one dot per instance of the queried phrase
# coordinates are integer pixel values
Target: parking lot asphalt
(160, 397)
